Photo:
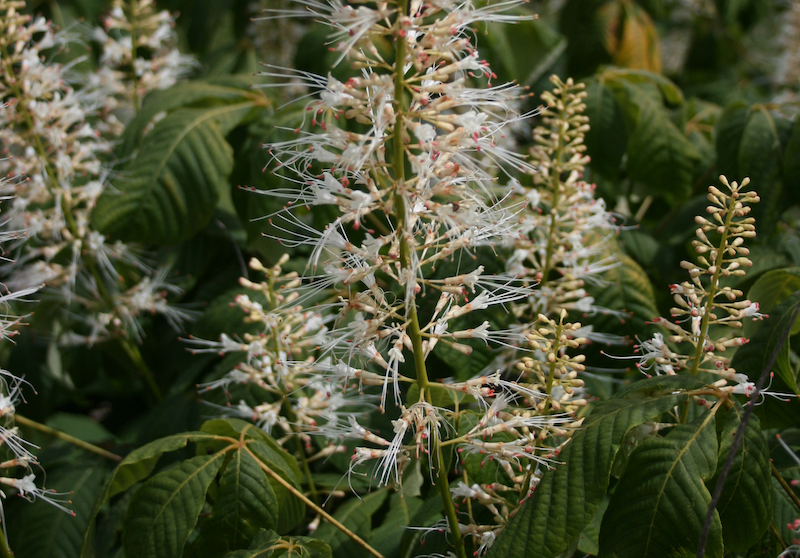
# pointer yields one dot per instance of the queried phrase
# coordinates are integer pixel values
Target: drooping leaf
(746, 501)
(729, 129)
(164, 511)
(229, 90)
(660, 156)
(169, 190)
(760, 159)
(42, 531)
(356, 515)
(607, 138)
(568, 497)
(660, 503)
(262, 546)
(245, 503)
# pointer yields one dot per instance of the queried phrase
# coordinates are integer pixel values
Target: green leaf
(660, 156)
(195, 94)
(261, 547)
(728, 132)
(752, 358)
(386, 539)
(136, 466)
(760, 158)
(291, 510)
(746, 501)
(355, 514)
(660, 503)
(567, 498)
(42, 531)
(627, 289)
(169, 190)
(770, 289)
(666, 88)
(164, 511)
(607, 138)
(245, 503)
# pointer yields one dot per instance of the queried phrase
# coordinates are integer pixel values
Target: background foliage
(678, 93)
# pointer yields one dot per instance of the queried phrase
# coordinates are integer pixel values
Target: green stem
(66, 437)
(712, 290)
(414, 332)
(303, 498)
(449, 507)
(5, 550)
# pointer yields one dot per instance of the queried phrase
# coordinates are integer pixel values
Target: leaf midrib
(668, 476)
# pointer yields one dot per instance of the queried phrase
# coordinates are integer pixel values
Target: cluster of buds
(564, 230)
(304, 395)
(408, 152)
(138, 55)
(53, 156)
(704, 301)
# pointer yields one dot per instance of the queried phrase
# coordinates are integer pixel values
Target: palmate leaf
(568, 496)
(164, 511)
(607, 137)
(660, 503)
(169, 190)
(229, 90)
(660, 156)
(290, 509)
(746, 501)
(771, 289)
(244, 504)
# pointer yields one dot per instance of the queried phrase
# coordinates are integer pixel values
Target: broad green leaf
(751, 358)
(414, 540)
(355, 514)
(770, 289)
(660, 156)
(567, 498)
(746, 501)
(195, 94)
(164, 511)
(660, 503)
(668, 90)
(728, 133)
(291, 510)
(760, 158)
(80, 426)
(627, 289)
(169, 190)
(607, 138)
(42, 531)
(245, 503)
(136, 466)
